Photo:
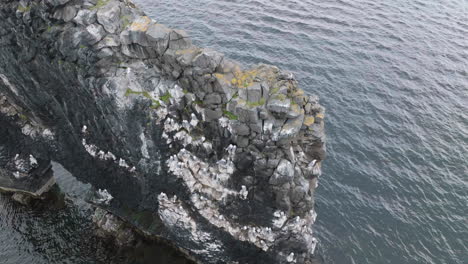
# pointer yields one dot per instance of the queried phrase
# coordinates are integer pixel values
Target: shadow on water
(59, 230)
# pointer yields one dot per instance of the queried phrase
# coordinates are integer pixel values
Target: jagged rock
(136, 33)
(85, 17)
(294, 111)
(247, 114)
(158, 35)
(265, 90)
(254, 93)
(211, 99)
(108, 41)
(104, 53)
(240, 129)
(256, 127)
(209, 115)
(207, 59)
(284, 173)
(109, 17)
(66, 13)
(96, 33)
(179, 40)
(286, 76)
(135, 51)
(279, 105)
(290, 128)
(242, 142)
(264, 114)
(309, 120)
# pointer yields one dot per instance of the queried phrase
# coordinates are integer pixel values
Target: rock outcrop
(221, 160)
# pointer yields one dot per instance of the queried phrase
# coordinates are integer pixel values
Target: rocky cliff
(219, 160)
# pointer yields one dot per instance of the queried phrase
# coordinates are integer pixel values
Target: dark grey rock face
(223, 161)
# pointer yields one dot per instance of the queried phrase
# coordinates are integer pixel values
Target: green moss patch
(155, 103)
(99, 4)
(165, 98)
(281, 97)
(24, 9)
(261, 102)
(274, 90)
(23, 117)
(230, 115)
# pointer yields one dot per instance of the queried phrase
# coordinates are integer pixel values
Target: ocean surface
(393, 76)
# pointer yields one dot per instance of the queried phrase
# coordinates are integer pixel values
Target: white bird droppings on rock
(103, 196)
(243, 193)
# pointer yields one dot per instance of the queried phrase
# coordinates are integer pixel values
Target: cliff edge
(220, 160)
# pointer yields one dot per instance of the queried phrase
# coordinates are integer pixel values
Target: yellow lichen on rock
(141, 24)
(220, 76)
(295, 108)
(244, 78)
(298, 92)
(188, 51)
(309, 120)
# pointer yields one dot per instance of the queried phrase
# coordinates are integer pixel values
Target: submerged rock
(184, 145)
(111, 227)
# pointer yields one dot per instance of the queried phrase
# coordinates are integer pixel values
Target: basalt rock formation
(190, 147)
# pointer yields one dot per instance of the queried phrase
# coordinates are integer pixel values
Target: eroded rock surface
(193, 148)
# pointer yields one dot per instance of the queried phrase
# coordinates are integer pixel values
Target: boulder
(179, 40)
(212, 98)
(247, 114)
(158, 36)
(96, 33)
(85, 17)
(208, 59)
(290, 129)
(294, 111)
(284, 173)
(135, 51)
(242, 142)
(136, 32)
(254, 93)
(279, 105)
(209, 114)
(108, 41)
(109, 17)
(239, 128)
(66, 13)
